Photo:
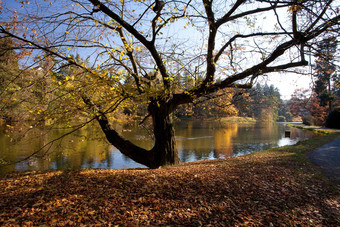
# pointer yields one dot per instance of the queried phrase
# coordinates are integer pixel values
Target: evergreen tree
(325, 71)
(263, 102)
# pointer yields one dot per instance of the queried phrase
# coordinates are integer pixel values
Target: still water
(196, 140)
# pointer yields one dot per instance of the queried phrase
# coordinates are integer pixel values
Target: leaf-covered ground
(271, 188)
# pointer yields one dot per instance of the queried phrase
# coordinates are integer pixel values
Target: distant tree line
(264, 103)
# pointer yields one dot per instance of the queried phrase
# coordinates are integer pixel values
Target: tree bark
(165, 150)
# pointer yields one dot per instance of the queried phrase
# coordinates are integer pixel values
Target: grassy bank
(273, 187)
(315, 129)
(236, 120)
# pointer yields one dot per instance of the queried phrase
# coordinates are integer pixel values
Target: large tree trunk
(164, 151)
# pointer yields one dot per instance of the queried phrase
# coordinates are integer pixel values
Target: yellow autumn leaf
(6, 101)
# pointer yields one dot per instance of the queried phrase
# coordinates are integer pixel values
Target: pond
(196, 140)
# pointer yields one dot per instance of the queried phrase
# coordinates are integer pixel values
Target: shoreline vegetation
(273, 187)
(315, 129)
(225, 120)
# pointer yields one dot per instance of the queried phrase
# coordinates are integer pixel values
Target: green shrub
(281, 119)
(288, 116)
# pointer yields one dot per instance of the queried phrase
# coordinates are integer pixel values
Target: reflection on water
(234, 139)
(196, 140)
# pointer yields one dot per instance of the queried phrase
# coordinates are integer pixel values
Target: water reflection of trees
(224, 141)
(196, 140)
(74, 151)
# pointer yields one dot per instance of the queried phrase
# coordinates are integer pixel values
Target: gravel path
(328, 158)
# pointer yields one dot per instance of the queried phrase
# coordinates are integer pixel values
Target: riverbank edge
(232, 119)
(315, 129)
(236, 120)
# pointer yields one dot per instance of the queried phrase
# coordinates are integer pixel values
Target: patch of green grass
(303, 147)
(315, 129)
(237, 120)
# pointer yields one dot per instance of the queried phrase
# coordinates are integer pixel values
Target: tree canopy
(139, 51)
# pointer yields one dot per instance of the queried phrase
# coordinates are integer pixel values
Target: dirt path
(328, 158)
